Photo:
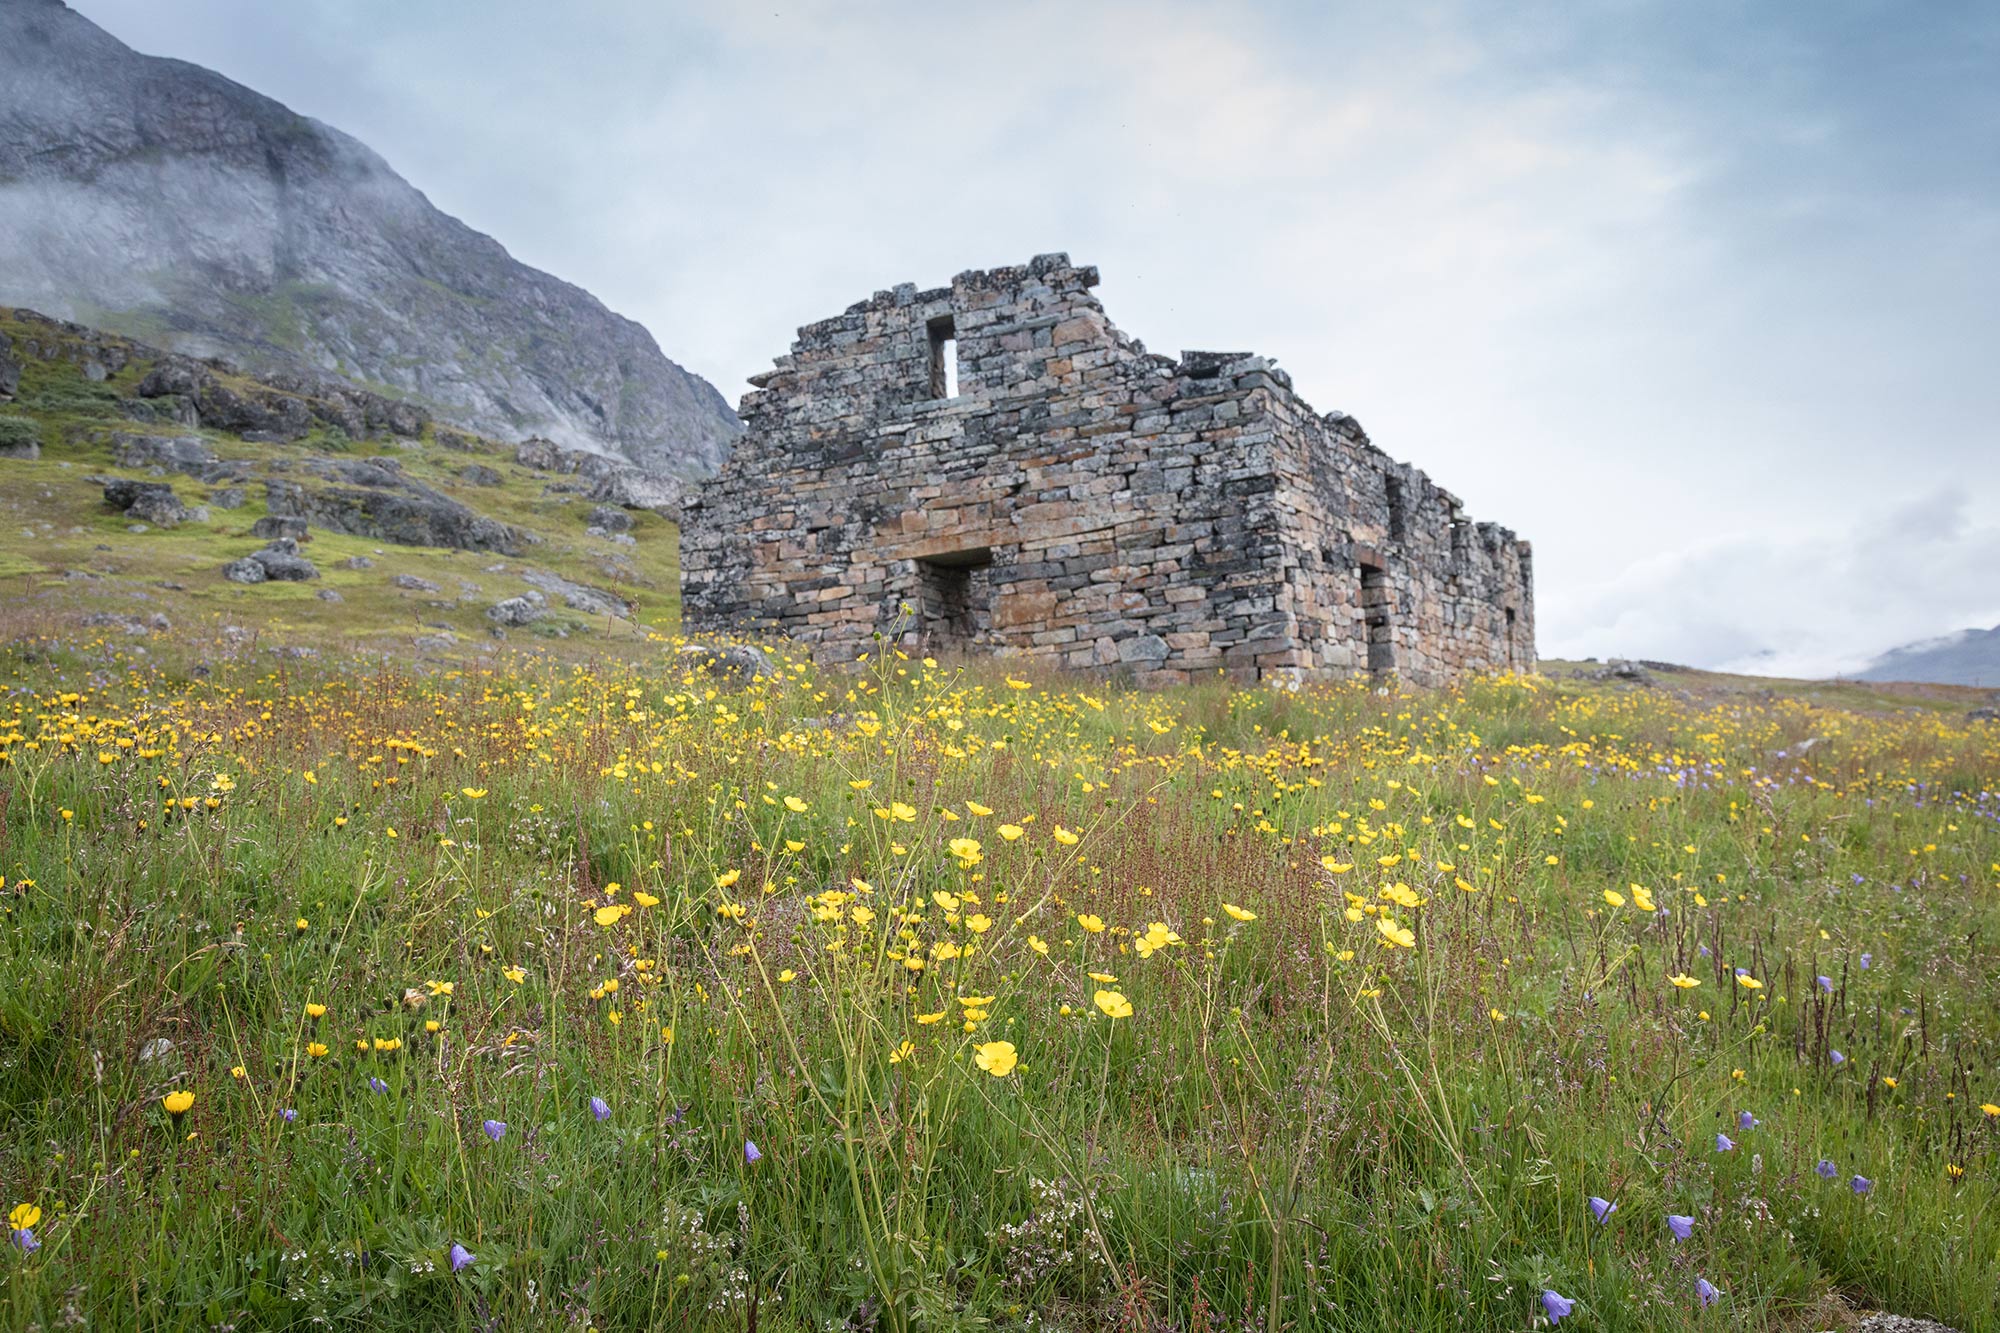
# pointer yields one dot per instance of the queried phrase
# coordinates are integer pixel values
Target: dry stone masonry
(994, 468)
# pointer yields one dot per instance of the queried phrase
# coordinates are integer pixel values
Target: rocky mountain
(156, 198)
(1969, 657)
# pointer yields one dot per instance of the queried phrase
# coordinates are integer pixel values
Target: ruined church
(993, 468)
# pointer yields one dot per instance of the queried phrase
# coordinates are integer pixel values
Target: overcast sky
(1702, 298)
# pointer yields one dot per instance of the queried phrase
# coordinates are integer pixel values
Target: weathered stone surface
(409, 582)
(372, 498)
(151, 502)
(279, 525)
(576, 596)
(609, 480)
(229, 497)
(610, 519)
(478, 474)
(186, 454)
(280, 560)
(1084, 503)
(245, 570)
(739, 664)
(20, 438)
(515, 612)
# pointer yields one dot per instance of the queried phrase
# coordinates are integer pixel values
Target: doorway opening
(955, 599)
(1378, 619)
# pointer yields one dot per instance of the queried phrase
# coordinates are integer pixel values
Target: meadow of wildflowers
(554, 997)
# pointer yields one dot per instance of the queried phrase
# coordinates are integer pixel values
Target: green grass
(1298, 1125)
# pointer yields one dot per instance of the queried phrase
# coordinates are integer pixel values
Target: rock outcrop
(169, 202)
(278, 562)
(373, 498)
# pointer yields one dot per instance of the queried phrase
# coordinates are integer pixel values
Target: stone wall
(1083, 503)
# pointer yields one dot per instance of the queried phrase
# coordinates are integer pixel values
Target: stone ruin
(993, 468)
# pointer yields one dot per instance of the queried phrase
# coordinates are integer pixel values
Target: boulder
(608, 519)
(357, 562)
(229, 497)
(577, 596)
(515, 612)
(478, 474)
(279, 525)
(175, 453)
(281, 560)
(10, 369)
(411, 583)
(738, 664)
(245, 570)
(373, 498)
(151, 502)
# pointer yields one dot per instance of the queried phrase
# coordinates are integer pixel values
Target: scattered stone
(186, 454)
(610, 520)
(151, 502)
(329, 595)
(411, 583)
(478, 474)
(1896, 1323)
(280, 561)
(738, 664)
(229, 497)
(435, 643)
(20, 438)
(1619, 669)
(279, 525)
(577, 596)
(1983, 715)
(372, 498)
(515, 612)
(357, 562)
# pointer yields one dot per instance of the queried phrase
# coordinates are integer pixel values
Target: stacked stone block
(1083, 503)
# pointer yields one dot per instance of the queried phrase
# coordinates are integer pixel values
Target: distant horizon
(1665, 291)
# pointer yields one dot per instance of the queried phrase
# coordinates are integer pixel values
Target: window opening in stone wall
(944, 357)
(1510, 637)
(1378, 619)
(1397, 520)
(955, 597)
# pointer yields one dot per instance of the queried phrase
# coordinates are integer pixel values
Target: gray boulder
(738, 664)
(273, 526)
(245, 570)
(515, 612)
(279, 561)
(411, 583)
(373, 498)
(173, 453)
(608, 519)
(577, 596)
(20, 438)
(478, 474)
(229, 497)
(151, 502)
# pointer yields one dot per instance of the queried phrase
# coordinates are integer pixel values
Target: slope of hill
(1969, 657)
(159, 199)
(137, 488)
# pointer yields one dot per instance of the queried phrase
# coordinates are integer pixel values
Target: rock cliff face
(156, 198)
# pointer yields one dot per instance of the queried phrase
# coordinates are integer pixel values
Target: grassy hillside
(65, 555)
(536, 996)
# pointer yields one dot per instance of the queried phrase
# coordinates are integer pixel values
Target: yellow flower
(788, 975)
(316, 1011)
(1395, 934)
(928, 1019)
(316, 1049)
(302, 924)
(1093, 924)
(728, 878)
(1113, 1004)
(1684, 981)
(644, 899)
(1011, 831)
(1642, 898)
(996, 1058)
(439, 987)
(861, 784)
(1238, 913)
(1615, 898)
(609, 915)
(1888, 1082)
(177, 1103)
(862, 915)
(517, 975)
(472, 793)
(1748, 982)
(902, 1053)
(238, 1071)
(979, 923)
(23, 1216)
(1013, 684)
(1334, 864)
(1496, 1015)
(1102, 978)
(1066, 838)
(978, 809)
(795, 805)
(966, 850)
(1038, 944)
(1989, 1108)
